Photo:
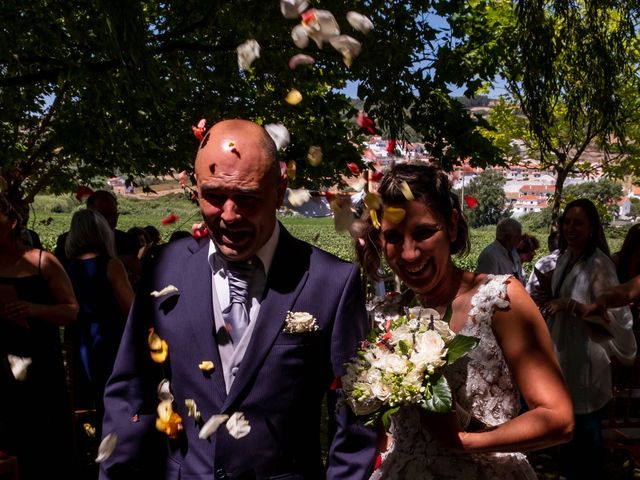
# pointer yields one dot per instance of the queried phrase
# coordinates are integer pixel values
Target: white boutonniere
(299, 322)
(168, 290)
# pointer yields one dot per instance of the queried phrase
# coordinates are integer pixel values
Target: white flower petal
(320, 25)
(247, 53)
(348, 46)
(212, 425)
(164, 390)
(168, 290)
(238, 426)
(299, 36)
(106, 448)
(293, 8)
(19, 366)
(279, 134)
(359, 22)
(298, 196)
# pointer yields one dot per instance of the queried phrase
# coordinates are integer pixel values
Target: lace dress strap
(491, 295)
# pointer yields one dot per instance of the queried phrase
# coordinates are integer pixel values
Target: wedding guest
(501, 256)
(527, 248)
(154, 234)
(515, 352)
(583, 272)
(627, 260)
(539, 284)
(36, 298)
(105, 295)
(257, 326)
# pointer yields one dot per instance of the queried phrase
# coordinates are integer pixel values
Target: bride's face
(418, 248)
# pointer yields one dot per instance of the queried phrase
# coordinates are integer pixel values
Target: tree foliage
(571, 69)
(604, 193)
(103, 88)
(488, 189)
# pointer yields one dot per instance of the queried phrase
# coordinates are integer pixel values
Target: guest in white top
(501, 256)
(583, 272)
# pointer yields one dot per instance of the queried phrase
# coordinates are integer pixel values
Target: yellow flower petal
(394, 215)
(374, 218)
(372, 201)
(206, 366)
(168, 421)
(406, 191)
(291, 169)
(294, 97)
(159, 348)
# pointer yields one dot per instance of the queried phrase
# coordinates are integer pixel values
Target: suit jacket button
(221, 474)
(234, 371)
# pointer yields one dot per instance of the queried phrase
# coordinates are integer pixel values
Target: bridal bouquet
(401, 363)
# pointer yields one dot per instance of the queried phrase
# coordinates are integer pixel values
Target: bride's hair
(429, 185)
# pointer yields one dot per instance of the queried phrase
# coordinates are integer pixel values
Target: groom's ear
(283, 181)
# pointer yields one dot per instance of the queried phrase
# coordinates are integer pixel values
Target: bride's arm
(528, 350)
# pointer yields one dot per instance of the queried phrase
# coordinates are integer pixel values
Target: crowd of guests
(573, 315)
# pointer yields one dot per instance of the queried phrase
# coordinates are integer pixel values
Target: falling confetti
(353, 168)
(199, 230)
(206, 366)
(19, 366)
(394, 214)
(169, 219)
(238, 426)
(359, 22)
(198, 131)
(406, 191)
(212, 425)
(168, 290)
(348, 46)
(472, 202)
(192, 410)
(106, 448)
(279, 134)
(299, 36)
(320, 25)
(158, 347)
(314, 156)
(247, 53)
(298, 197)
(291, 169)
(366, 123)
(82, 193)
(294, 97)
(300, 59)
(293, 8)
(164, 390)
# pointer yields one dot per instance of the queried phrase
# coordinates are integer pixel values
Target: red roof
(537, 189)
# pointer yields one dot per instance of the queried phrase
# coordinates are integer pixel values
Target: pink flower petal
(169, 219)
(199, 230)
(293, 8)
(247, 53)
(300, 59)
(353, 168)
(366, 123)
(359, 22)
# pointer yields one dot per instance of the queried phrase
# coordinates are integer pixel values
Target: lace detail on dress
(483, 386)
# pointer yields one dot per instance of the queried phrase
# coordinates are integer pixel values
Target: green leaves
(441, 398)
(460, 346)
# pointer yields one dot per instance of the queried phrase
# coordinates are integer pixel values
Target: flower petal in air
(366, 123)
(343, 216)
(169, 219)
(193, 411)
(472, 202)
(19, 366)
(374, 218)
(314, 156)
(82, 193)
(359, 22)
(238, 426)
(293, 8)
(279, 134)
(198, 131)
(406, 191)
(182, 178)
(247, 53)
(164, 390)
(353, 168)
(298, 197)
(159, 348)
(320, 25)
(199, 230)
(394, 214)
(299, 36)
(294, 97)
(300, 59)
(291, 169)
(348, 46)
(376, 176)
(168, 290)
(106, 448)
(371, 200)
(212, 425)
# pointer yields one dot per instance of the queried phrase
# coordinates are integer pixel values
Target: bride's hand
(444, 427)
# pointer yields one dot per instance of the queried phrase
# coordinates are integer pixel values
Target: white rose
(403, 332)
(443, 330)
(381, 391)
(392, 363)
(372, 376)
(364, 407)
(429, 351)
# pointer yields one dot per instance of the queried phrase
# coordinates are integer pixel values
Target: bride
(514, 356)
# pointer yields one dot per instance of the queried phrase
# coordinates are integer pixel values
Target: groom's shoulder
(174, 252)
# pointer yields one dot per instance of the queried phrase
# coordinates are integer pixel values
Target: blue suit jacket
(279, 386)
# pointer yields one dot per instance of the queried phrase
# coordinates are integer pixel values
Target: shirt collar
(265, 253)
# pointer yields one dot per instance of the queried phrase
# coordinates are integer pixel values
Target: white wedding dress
(483, 386)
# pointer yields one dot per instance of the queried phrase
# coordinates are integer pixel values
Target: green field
(51, 216)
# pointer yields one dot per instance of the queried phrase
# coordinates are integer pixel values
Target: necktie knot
(236, 316)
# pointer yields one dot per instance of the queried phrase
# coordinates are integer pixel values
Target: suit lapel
(199, 312)
(286, 280)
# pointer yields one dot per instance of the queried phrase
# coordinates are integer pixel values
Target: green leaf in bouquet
(460, 346)
(441, 398)
(386, 417)
(448, 314)
(404, 346)
(372, 419)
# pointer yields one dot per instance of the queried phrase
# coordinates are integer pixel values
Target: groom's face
(239, 188)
